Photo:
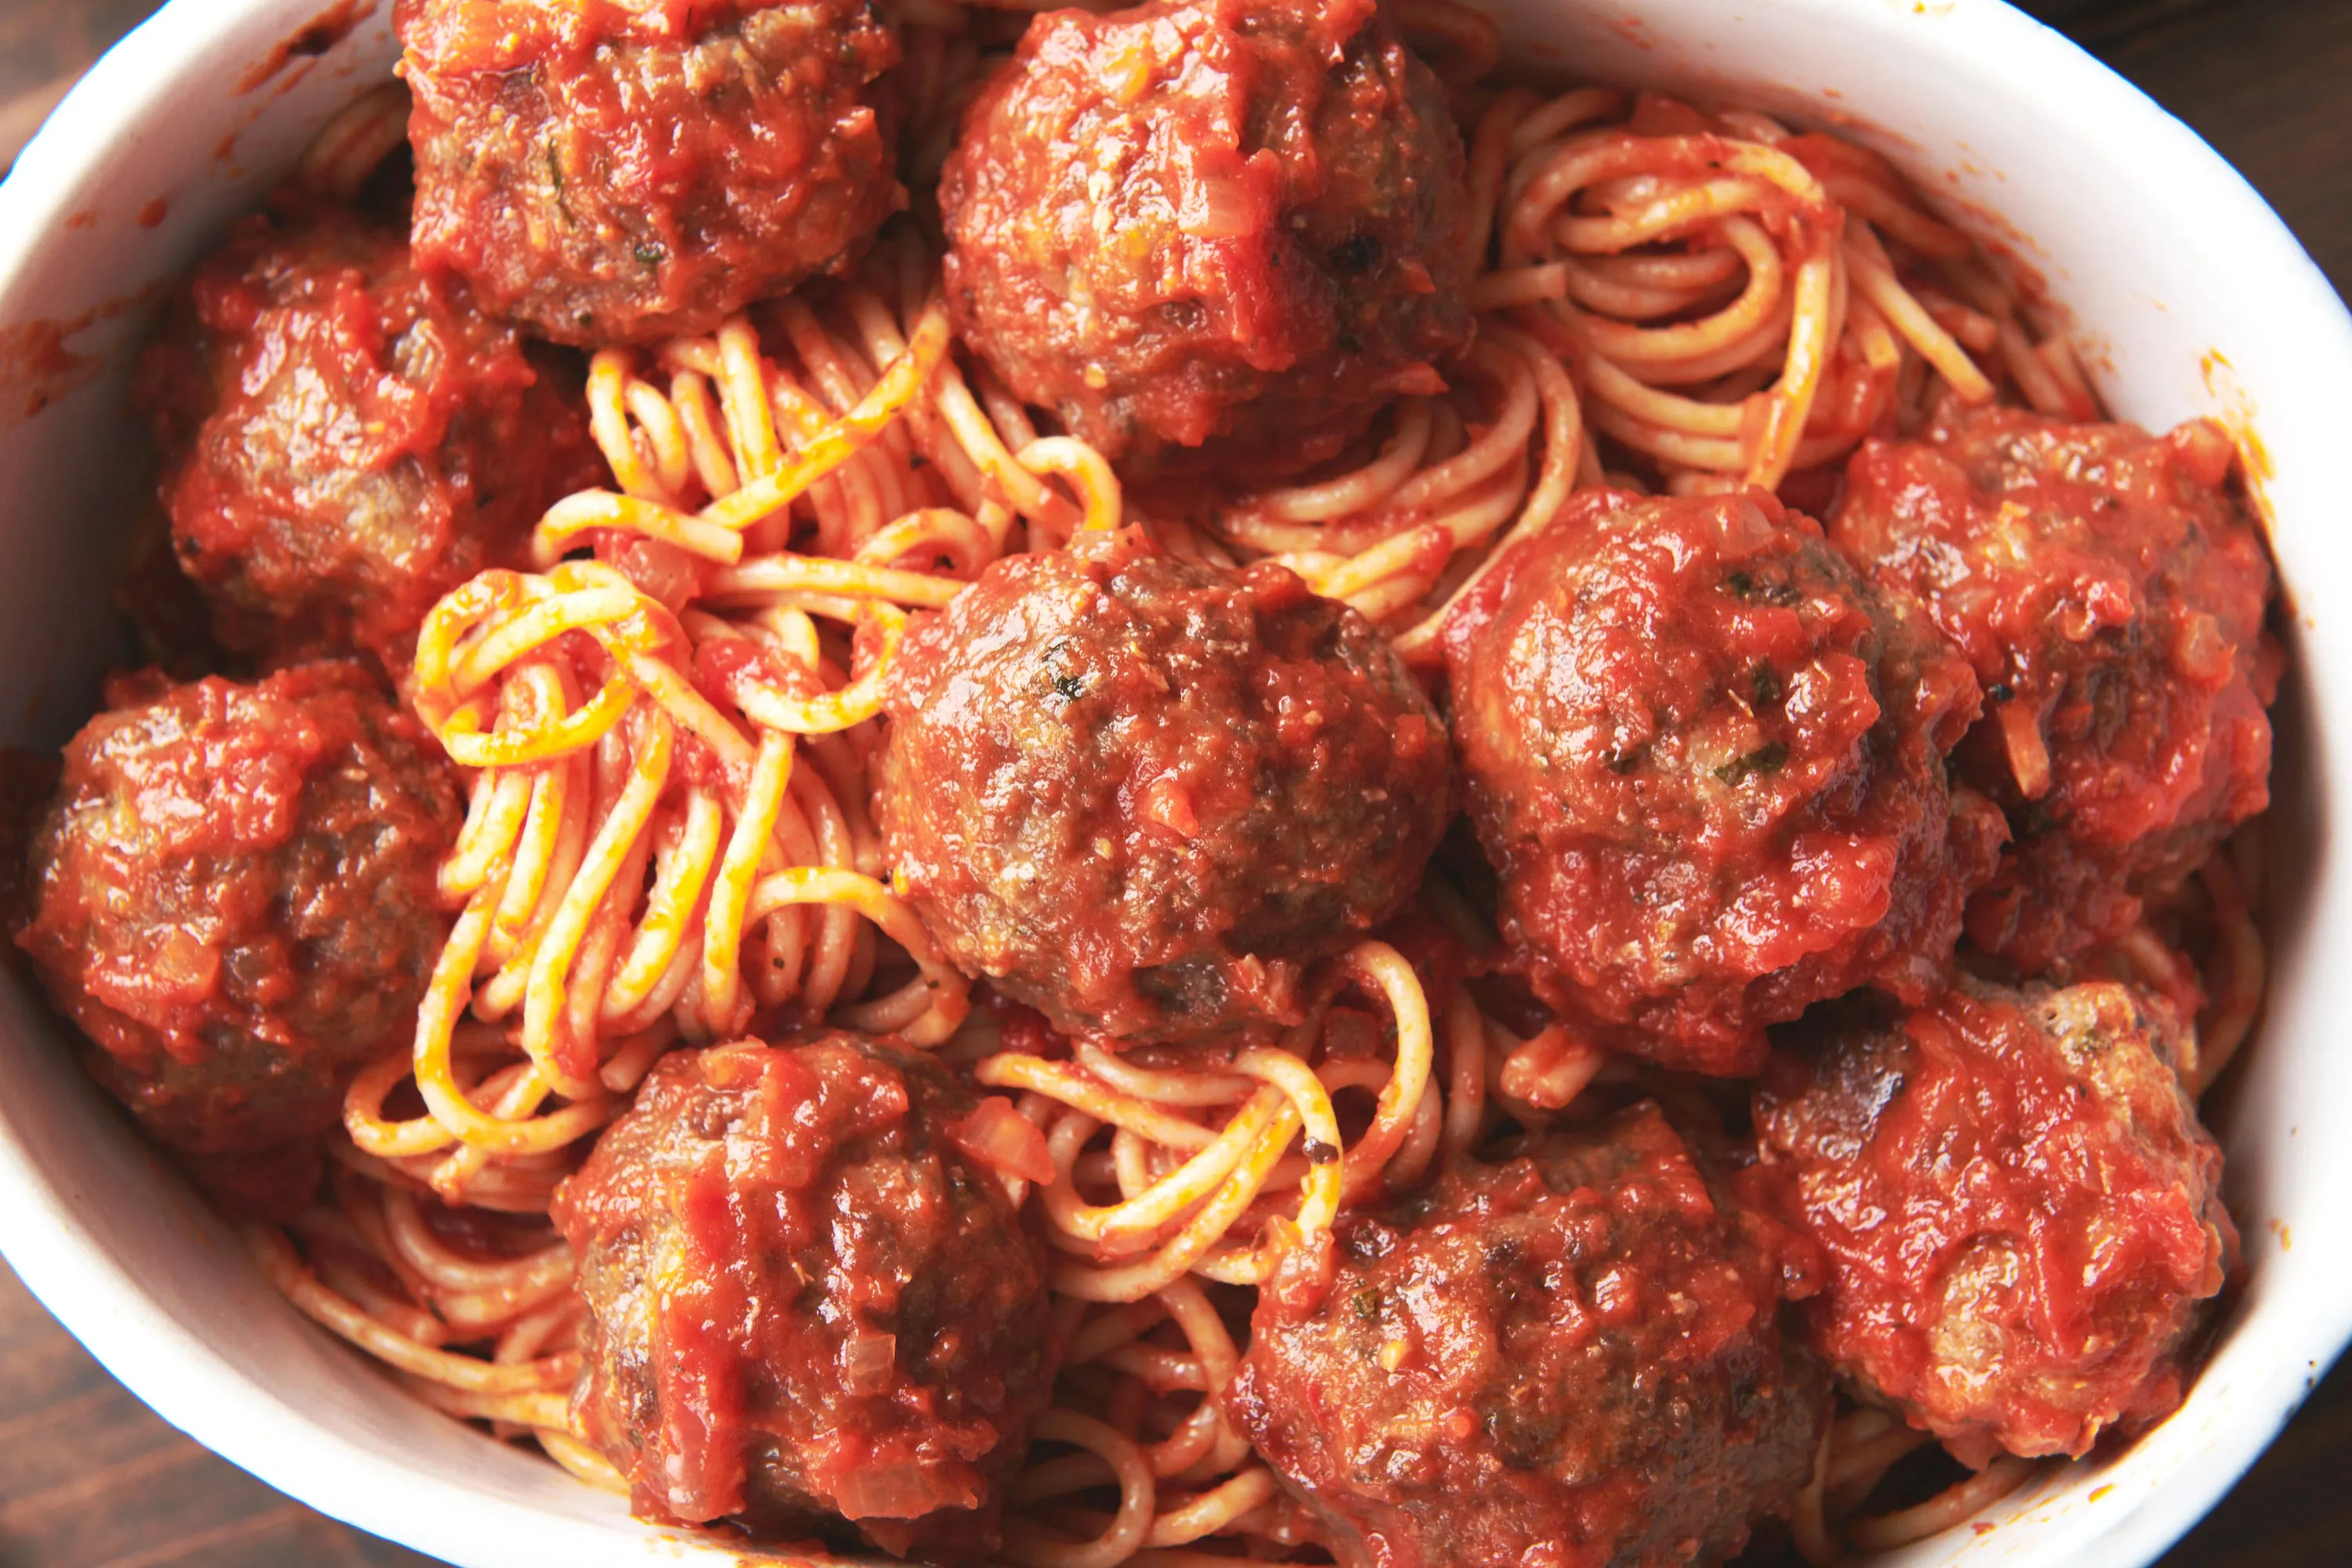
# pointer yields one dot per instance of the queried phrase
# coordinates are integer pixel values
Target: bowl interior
(2191, 298)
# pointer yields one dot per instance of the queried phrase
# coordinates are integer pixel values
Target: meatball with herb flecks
(810, 1309)
(1574, 1357)
(233, 895)
(1708, 762)
(2109, 590)
(1143, 794)
(2019, 1210)
(1229, 223)
(605, 174)
(345, 438)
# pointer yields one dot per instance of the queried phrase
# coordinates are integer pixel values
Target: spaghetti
(1668, 300)
(668, 831)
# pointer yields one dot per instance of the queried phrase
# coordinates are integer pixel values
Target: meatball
(2109, 590)
(806, 1303)
(1141, 794)
(234, 897)
(1238, 220)
(622, 173)
(346, 439)
(1707, 762)
(1574, 1357)
(2019, 1211)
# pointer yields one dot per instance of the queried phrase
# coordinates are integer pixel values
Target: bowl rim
(169, 1368)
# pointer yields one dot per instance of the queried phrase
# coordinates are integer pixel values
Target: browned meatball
(1141, 794)
(2109, 590)
(1238, 220)
(1574, 1357)
(806, 1304)
(1709, 763)
(2020, 1213)
(235, 896)
(619, 173)
(345, 438)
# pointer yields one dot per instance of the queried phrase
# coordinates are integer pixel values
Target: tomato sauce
(806, 1304)
(1203, 220)
(604, 172)
(345, 438)
(2019, 1209)
(235, 897)
(1572, 1358)
(1141, 794)
(2109, 589)
(1708, 762)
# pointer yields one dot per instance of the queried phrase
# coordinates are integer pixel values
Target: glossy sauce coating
(234, 897)
(2109, 590)
(1708, 762)
(604, 172)
(346, 439)
(1142, 793)
(1571, 1358)
(806, 1303)
(2018, 1205)
(1210, 220)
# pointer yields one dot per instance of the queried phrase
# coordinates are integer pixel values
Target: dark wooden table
(91, 1479)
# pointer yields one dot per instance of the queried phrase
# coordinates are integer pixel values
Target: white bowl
(2193, 295)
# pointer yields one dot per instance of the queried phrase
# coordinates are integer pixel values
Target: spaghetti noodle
(1718, 299)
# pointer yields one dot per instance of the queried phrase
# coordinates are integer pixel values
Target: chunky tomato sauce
(1570, 1359)
(607, 173)
(2108, 588)
(1142, 794)
(235, 897)
(2018, 1206)
(1708, 762)
(807, 1304)
(346, 438)
(1206, 219)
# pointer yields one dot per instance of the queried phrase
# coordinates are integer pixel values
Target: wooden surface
(91, 1479)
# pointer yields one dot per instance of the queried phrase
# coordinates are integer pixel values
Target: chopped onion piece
(901, 1490)
(1003, 1139)
(869, 1360)
(1550, 1069)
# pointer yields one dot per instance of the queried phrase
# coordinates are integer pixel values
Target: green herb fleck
(1767, 686)
(1743, 585)
(1764, 759)
(1367, 1304)
(1070, 684)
